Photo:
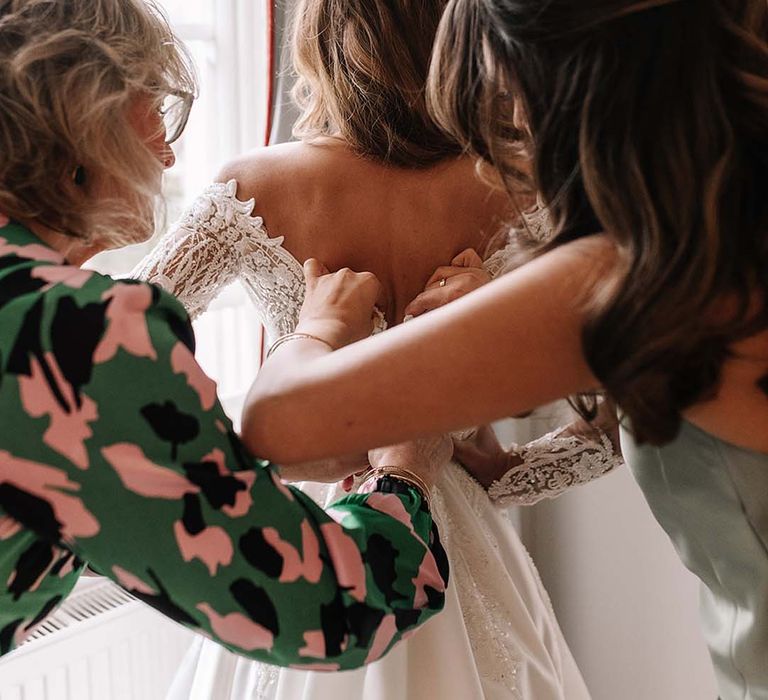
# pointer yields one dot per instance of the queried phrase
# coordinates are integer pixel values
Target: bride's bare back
(331, 204)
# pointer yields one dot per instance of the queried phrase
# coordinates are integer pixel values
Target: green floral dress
(114, 450)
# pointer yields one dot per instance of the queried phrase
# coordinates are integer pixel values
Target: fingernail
(407, 317)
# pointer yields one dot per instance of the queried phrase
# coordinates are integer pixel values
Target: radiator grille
(85, 603)
(101, 644)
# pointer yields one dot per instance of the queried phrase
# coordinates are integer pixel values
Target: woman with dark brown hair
(647, 123)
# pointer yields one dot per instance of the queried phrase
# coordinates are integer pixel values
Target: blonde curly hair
(70, 71)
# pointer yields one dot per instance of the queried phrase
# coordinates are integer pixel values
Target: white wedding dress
(497, 638)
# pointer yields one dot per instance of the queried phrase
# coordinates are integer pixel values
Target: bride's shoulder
(273, 171)
(294, 189)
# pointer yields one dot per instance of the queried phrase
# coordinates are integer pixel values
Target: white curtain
(284, 112)
(243, 85)
(229, 336)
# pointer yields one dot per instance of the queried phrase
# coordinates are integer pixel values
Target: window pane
(189, 11)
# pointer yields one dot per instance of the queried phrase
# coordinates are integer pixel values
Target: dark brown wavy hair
(362, 67)
(647, 120)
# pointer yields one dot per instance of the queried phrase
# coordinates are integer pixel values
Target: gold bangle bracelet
(405, 475)
(408, 482)
(283, 339)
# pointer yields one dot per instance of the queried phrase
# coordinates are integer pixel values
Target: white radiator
(102, 644)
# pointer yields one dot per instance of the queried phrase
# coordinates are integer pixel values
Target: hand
(483, 457)
(426, 457)
(606, 420)
(338, 307)
(464, 275)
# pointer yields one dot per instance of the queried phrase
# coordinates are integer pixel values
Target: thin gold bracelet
(283, 339)
(405, 475)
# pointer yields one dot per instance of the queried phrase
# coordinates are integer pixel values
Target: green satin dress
(711, 497)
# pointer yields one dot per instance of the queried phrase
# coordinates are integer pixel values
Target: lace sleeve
(538, 226)
(495, 265)
(201, 255)
(553, 464)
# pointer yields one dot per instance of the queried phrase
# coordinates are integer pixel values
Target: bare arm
(511, 346)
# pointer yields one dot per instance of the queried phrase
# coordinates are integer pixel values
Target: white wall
(625, 603)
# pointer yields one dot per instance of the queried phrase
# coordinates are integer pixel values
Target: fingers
(374, 290)
(458, 282)
(467, 258)
(313, 269)
(432, 299)
(377, 288)
(444, 273)
(338, 306)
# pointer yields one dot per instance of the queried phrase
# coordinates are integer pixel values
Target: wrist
(393, 459)
(296, 337)
(334, 333)
(382, 479)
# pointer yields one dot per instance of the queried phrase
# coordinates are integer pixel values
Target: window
(229, 43)
(228, 40)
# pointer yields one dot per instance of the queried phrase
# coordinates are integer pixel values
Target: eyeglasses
(175, 111)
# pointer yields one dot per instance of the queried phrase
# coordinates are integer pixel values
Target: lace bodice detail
(553, 464)
(495, 264)
(539, 227)
(219, 240)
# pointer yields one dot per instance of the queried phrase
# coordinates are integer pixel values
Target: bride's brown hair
(362, 66)
(648, 121)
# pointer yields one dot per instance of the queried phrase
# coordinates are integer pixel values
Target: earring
(78, 176)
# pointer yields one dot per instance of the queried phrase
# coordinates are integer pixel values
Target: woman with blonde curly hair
(115, 450)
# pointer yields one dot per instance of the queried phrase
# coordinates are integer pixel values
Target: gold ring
(442, 282)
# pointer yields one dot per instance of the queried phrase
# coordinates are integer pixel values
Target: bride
(374, 184)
